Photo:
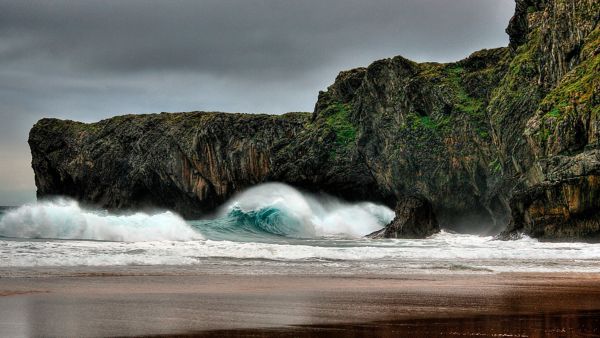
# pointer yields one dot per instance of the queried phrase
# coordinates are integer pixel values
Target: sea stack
(414, 219)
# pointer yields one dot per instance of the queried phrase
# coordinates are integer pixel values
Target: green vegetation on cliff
(579, 88)
(337, 117)
(465, 103)
(574, 101)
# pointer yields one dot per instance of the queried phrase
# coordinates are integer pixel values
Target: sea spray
(279, 209)
(259, 213)
(65, 219)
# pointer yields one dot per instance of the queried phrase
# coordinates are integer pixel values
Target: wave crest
(269, 220)
(279, 209)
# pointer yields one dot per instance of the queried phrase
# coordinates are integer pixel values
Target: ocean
(271, 228)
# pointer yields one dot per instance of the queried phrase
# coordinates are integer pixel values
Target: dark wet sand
(108, 304)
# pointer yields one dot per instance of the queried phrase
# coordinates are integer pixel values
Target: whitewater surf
(273, 227)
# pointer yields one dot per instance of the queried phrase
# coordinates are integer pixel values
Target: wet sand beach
(147, 303)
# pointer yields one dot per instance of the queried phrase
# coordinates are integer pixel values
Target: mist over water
(270, 228)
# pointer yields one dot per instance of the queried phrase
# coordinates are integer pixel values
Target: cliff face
(556, 194)
(421, 129)
(189, 162)
(505, 136)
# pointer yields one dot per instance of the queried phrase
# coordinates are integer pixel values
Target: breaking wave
(280, 210)
(265, 211)
(65, 219)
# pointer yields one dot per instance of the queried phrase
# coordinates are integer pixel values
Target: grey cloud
(225, 36)
(89, 60)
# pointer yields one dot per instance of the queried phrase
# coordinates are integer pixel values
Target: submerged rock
(414, 219)
(505, 136)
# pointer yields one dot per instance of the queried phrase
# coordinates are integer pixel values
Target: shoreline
(154, 304)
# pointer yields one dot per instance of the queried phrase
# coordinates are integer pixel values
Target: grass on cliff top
(88, 128)
(429, 127)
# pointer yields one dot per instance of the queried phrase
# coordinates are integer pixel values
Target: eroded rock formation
(188, 162)
(505, 136)
(414, 219)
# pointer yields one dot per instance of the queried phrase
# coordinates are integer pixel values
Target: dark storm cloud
(89, 60)
(248, 36)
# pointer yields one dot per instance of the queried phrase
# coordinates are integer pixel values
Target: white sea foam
(317, 215)
(444, 252)
(65, 219)
(34, 232)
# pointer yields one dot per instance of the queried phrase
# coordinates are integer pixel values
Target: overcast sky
(89, 60)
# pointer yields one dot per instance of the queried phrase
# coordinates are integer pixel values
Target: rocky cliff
(505, 136)
(188, 162)
(556, 164)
